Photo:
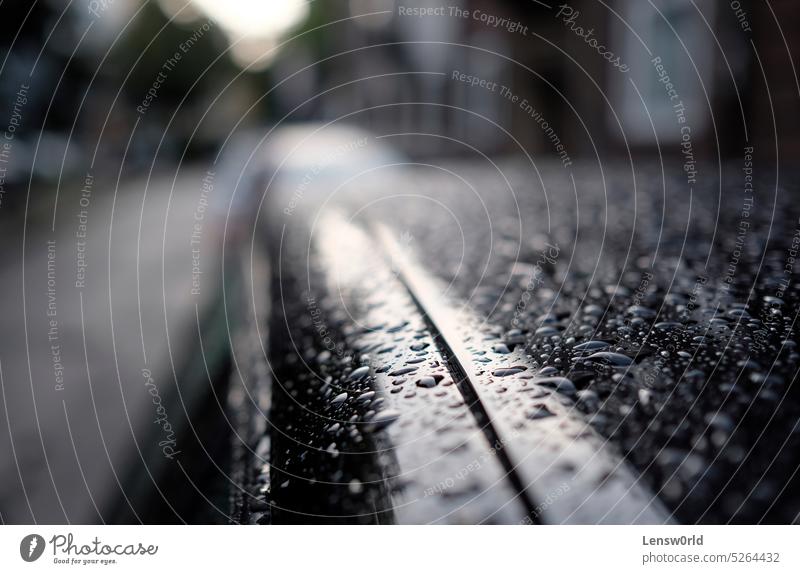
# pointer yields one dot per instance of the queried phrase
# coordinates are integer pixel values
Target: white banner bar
(386, 549)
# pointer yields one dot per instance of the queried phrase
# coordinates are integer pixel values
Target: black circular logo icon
(31, 547)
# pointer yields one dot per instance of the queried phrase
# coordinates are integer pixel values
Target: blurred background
(89, 64)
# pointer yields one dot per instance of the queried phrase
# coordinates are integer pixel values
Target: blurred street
(75, 374)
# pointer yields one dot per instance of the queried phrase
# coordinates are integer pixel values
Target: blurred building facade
(370, 63)
(382, 72)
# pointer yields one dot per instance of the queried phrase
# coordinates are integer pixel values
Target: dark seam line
(467, 389)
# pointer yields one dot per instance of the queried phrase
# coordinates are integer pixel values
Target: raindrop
(615, 359)
(358, 374)
(508, 371)
(540, 412)
(559, 384)
(384, 418)
(403, 371)
(426, 382)
(546, 331)
(591, 346)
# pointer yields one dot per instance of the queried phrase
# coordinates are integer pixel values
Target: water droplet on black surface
(384, 418)
(591, 346)
(616, 359)
(508, 371)
(426, 382)
(559, 384)
(359, 374)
